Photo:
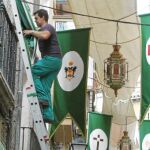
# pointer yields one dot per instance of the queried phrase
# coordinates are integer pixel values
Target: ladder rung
(28, 88)
(46, 138)
(31, 94)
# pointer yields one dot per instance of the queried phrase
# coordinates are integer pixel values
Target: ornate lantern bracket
(115, 70)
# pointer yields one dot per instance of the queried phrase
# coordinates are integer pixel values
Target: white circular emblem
(146, 142)
(98, 140)
(148, 51)
(71, 72)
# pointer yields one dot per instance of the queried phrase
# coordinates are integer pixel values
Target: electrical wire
(99, 82)
(91, 23)
(95, 23)
(118, 42)
(101, 42)
(134, 68)
(108, 86)
(101, 18)
(127, 16)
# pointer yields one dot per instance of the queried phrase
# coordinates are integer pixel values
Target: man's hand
(28, 32)
(38, 34)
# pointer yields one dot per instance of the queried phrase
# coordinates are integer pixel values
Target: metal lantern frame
(125, 142)
(115, 70)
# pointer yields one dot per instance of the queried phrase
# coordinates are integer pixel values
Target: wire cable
(101, 18)
(118, 42)
(91, 23)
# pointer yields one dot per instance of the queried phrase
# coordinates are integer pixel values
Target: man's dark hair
(42, 13)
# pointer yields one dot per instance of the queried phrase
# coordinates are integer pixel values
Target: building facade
(10, 81)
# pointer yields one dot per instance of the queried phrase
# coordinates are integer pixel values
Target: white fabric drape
(103, 35)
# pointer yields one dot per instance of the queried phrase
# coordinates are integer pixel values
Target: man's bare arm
(38, 34)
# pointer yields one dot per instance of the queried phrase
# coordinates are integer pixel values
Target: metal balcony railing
(8, 48)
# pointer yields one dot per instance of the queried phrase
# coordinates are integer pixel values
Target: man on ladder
(44, 71)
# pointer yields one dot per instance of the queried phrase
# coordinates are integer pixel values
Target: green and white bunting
(145, 83)
(145, 135)
(70, 86)
(99, 126)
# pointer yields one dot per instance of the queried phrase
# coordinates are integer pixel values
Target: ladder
(39, 125)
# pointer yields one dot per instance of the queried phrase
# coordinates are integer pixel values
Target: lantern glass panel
(115, 70)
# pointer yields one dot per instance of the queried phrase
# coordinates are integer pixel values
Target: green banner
(145, 99)
(25, 15)
(71, 83)
(145, 135)
(98, 131)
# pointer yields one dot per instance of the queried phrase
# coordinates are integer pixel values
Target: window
(61, 5)
(64, 25)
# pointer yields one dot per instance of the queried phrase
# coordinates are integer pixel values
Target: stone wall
(8, 9)
(12, 123)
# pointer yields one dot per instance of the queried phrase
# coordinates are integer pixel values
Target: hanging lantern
(125, 142)
(115, 70)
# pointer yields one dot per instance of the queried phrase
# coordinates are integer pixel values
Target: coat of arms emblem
(70, 70)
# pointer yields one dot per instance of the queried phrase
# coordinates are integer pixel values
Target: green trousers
(44, 72)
